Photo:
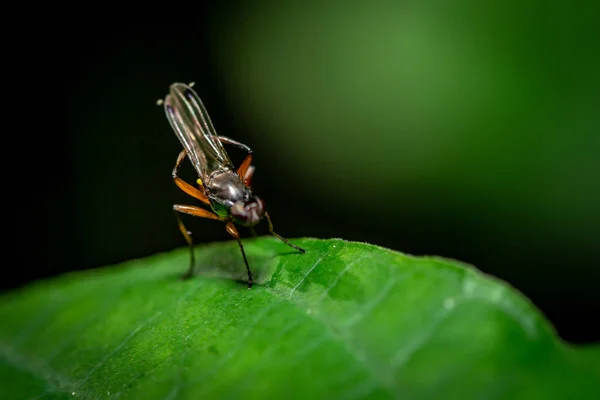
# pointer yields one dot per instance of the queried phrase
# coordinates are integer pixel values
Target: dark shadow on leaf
(229, 264)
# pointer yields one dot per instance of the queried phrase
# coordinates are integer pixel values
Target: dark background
(467, 131)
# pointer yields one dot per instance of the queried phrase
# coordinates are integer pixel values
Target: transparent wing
(195, 131)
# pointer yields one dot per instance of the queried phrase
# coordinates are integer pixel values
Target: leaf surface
(345, 320)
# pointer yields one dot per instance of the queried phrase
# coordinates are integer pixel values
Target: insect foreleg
(284, 240)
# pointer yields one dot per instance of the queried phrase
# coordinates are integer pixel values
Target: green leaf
(343, 321)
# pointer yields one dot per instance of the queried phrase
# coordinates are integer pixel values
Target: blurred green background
(462, 129)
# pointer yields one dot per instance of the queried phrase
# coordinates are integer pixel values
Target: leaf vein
(119, 347)
(358, 355)
(55, 380)
(308, 272)
(339, 276)
(369, 307)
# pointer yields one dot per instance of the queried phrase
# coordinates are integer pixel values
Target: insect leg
(197, 212)
(242, 146)
(247, 177)
(233, 232)
(245, 170)
(284, 240)
(186, 187)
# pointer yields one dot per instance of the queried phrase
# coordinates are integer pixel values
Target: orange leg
(196, 212)
(245, 170)
(247, 178)
(233, 232)
(183, 185)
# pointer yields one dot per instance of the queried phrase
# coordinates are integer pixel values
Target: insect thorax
(224, 189)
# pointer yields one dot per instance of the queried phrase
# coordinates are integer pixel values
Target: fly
(219, 185)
